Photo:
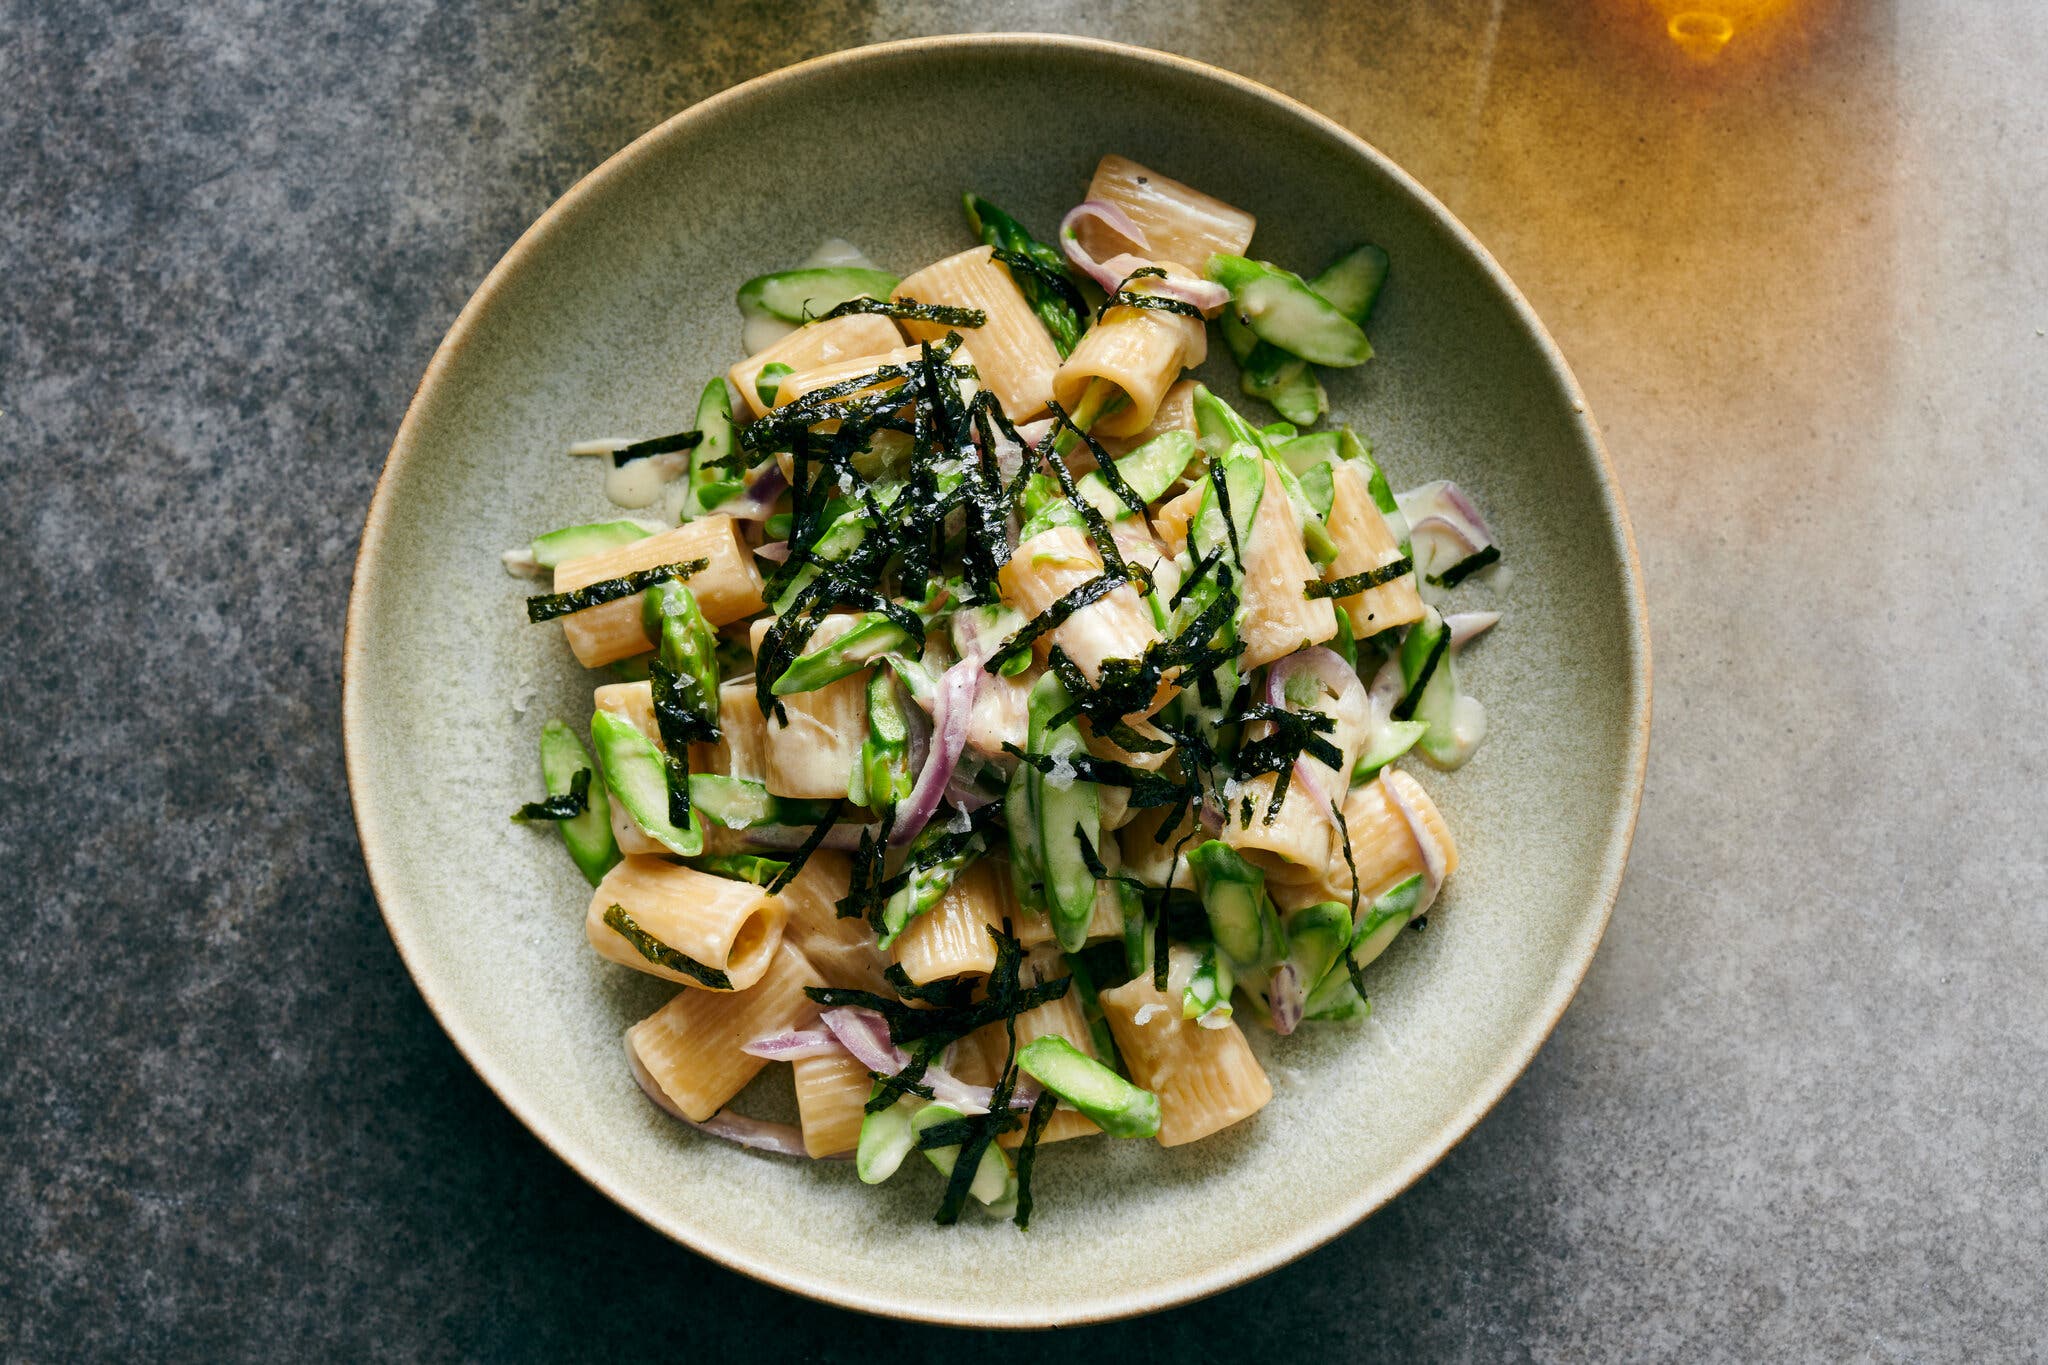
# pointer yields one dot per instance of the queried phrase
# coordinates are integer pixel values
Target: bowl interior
(609, 316)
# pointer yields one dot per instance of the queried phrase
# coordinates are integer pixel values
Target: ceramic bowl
(609, 314)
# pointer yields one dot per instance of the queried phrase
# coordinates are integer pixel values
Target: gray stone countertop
(1796, 1109)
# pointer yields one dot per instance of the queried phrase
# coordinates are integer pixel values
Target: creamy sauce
(757, 334)
(835, 251)
(640, 483)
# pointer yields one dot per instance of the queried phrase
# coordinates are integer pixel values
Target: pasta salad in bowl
(1010, 692)
(997, 722)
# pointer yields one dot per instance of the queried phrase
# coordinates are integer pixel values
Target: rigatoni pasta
(993, 773)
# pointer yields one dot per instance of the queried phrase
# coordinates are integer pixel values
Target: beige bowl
(611, 312)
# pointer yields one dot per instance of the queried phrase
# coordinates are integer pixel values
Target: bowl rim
(1251, 1263)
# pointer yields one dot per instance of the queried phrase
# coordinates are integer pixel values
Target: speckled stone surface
(1796, 1109)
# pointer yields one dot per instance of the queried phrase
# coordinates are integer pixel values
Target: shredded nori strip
(1105, 465)
(861, 900)
(950, 1133)
(659, 953)
(1148, 789)
(1350, 963)
(548, 606)
(1466, 567)
(1091, 517)
(945, 315)
(564, 806)
(1054, 280)
(1027, 1152)
(1404, 709)
(659, 445)
(1125, 297)
(807, 847)
(1195, 575)
(1222, 487)
(1359, 582)
(951, 993)
(908, 1081)
(1075, 598)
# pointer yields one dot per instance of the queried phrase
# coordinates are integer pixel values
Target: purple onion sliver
(1284, 998)
(1462, 501)
(951, 711)
(1464, 625)
(1432, 852)
(782, 1139)
(865, 1034)
(783, 838)
(776, 551)
(787, 1046)
(1111, 217)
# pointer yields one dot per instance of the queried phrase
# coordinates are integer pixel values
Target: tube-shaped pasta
(1181, 223)
(1176, 412)
(1303, 832)
(795, 385)
(1140, 350)
(831, 1093)
(1105, 921)
(978, 1060)
(1012, 352)
(813, 754)
(1276, 619)
(1001, 714)
(1382, 845)
(690, 1047)
(727, 588)
(952, 938)
(1206, 1079)
(731, 926)
(814, 345)
(1117, 626)
(1365, 541)
(1152, 861)
(1170, 519)
(742, 747)
(632, 702)
(842, 948)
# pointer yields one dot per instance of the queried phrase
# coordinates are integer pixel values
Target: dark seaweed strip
(1161, 943)
(950, 1133)
(676, 725)
(548, 606)
(1350, 964)
(1148, 789)
(658, 445)
(1123, 296)
(1195, 575)
(1405, 708)
(948, 994)
(1091, 516)
(1055, 280)
(1004, 995)
(1027, 1152)
(1105, 465)
(985, 549)
(910, 1080)
(1221, 485)
(659, 953)
(807, 847)
(909, 309)
(863, 898)
(1124, 685)
(565, 806)
(1466, 567)
(1075, 598)
(681, 716)
(1294, 733)
(1360, 582)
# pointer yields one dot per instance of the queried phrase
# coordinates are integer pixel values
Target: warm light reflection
(1703, 29)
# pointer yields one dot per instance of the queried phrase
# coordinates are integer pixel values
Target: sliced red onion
(959, 794)
(840, 838)
(1206, 295)
(775, 550)
(865, 1034)
(1442, 512)
(951, 710)
(1285, 999)
(1464, 625)
(1338, 678)
(1432, 852)
(791, 1044)
(1388, 687)
(1116, 220)
(758, 502)
(780, 1138)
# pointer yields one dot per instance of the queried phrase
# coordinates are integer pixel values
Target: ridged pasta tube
(1206, 1078)
(1117, 626)
(742, 747)
(730, 926)
(842, 948)
(1181, 223)
(831, 1094)
(1142, 351)
(1176, 412)
(727, 588)
(690, 1047)
(1382, 844)
(1012, 352)
(812, 347)
(1275, 618)
(1364, 542)
(814, 753)
(1151, 861)
(952, 939)
(1303, 832)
